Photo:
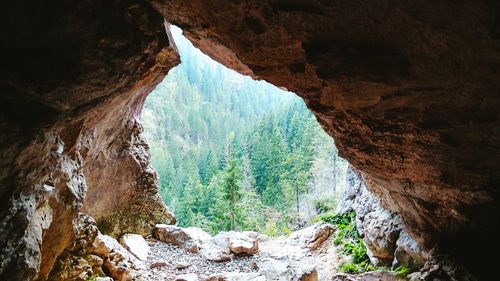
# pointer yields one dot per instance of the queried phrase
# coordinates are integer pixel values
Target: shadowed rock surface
(73, 79)
(409, 91)
(386, 243)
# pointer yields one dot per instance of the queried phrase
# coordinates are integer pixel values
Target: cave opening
(233, 153)
(408, 90)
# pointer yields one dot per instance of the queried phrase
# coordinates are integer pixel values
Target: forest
(233, 153)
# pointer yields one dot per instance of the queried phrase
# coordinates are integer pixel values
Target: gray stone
(311, 237)
(380, 228)
(189, 239)
(136, 244)
(237, 242)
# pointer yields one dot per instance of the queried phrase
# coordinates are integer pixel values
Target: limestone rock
(135, 244)
(187, 238)
(408, 89)
(120, 263)
(380, 228)
(237, 242)
(442, 267)
(409, 253)
(70, 267)
(213, 252)
(311, 237)
(76, 262)
(68, 138)
(274, 269)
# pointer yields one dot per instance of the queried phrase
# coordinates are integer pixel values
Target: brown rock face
(409, 90)
(72, 81)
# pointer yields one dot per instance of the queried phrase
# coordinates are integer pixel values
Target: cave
(409, 92)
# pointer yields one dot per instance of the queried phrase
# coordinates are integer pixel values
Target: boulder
(237, 242)
(135, 244)
(274, 269)
(189, 238)
(213, 252)
(311, 237)
(120, 263)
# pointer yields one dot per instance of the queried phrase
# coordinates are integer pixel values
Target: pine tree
(231, 186)
(273, 194)
(232, 152)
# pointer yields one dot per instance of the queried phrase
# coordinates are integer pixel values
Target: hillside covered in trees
(234, 153)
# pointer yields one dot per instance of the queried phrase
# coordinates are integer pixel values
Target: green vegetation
(349, 241)
(352, 246)
(402, 271)
(234, 153)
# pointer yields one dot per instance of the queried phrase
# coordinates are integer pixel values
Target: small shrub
(348, 268)
(336, 219)
(349, 241)
(402, 271)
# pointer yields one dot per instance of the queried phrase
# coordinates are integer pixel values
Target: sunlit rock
(237, 242)
(135, 244)
(186, 238)
(311, 237)
(120, 263)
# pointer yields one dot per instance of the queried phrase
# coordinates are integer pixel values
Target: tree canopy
(235, 153)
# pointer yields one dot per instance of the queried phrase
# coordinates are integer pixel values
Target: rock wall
(72, 81)
(409, 91)
(386, 243)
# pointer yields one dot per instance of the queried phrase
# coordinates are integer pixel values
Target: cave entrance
(233, 153)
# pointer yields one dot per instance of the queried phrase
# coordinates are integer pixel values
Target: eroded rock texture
(386, 243)
(409, 91)
(73, 79)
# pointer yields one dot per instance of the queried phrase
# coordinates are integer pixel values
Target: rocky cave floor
(167, 261)
(307, 255)
(175, 253)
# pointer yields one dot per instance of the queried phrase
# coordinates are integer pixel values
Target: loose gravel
(166, 258)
